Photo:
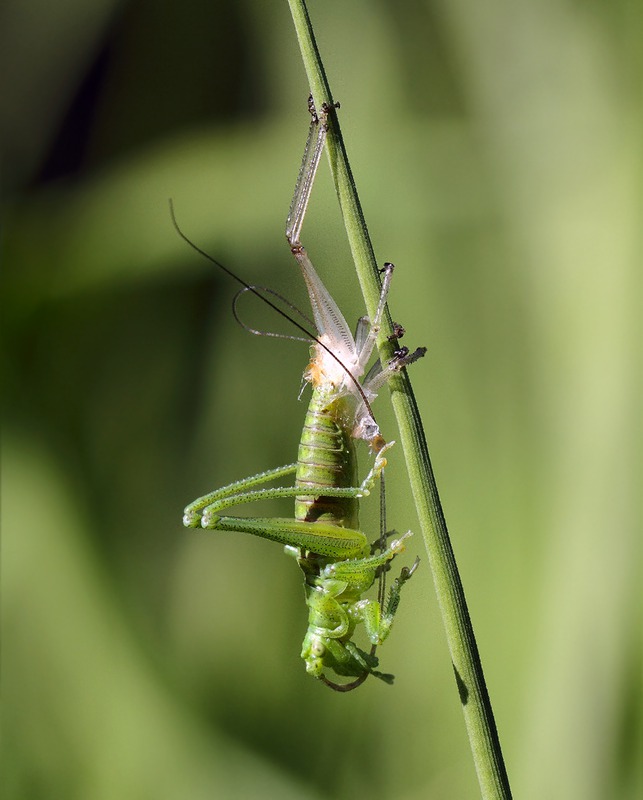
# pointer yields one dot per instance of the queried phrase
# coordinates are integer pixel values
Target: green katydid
(338, 563)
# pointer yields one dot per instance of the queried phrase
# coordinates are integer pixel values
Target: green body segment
(337, 562)
(326, 459)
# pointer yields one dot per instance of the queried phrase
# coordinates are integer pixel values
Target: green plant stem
(478, 715)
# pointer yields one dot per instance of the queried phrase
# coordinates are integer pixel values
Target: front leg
(359, 573)
(377, 622)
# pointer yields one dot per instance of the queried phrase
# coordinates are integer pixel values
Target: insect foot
(192, 519)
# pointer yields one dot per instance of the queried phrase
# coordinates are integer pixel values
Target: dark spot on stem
(462, 689)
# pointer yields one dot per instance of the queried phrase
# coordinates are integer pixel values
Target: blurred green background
(497, 150)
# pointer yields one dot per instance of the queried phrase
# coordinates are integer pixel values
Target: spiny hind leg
(307, 171)
(205, 511)
(193, 513)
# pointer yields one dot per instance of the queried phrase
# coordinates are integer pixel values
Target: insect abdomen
(326, 458)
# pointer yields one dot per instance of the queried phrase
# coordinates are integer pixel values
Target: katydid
(338, 563)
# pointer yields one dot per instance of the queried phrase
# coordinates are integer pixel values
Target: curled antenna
(248, 287)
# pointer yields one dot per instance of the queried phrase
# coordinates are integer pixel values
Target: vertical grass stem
(478, 714)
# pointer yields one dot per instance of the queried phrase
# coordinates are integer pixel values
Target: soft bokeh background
(497, 149)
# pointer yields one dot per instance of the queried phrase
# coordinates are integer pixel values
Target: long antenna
(248, 287)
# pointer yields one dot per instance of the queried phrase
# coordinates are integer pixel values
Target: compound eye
(317, 648)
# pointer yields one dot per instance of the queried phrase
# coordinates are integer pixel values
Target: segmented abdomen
(326, 458)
